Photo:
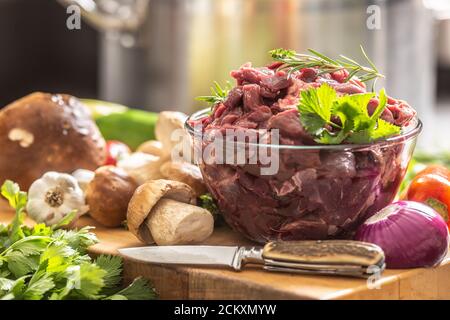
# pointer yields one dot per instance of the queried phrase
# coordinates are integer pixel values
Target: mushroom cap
(108, 195)
(185, 172)
(168, 122)
(147, 196)
(44, 132)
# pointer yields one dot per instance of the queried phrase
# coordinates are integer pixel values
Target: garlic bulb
(53, 196)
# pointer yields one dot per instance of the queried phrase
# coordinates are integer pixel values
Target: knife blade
(188, 255)
(330, 257)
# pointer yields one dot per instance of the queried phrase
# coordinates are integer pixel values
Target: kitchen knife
(330, 257)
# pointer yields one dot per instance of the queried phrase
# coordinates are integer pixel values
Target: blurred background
(161, 54)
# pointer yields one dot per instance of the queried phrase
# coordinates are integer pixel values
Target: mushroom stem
(173, 222)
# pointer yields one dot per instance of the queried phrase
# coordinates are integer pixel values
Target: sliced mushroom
(108, 195)
(185, 172)
(142, 167)
(164, 211)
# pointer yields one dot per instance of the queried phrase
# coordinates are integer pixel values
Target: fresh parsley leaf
(139, 289)
(312, 123)
(38, 287)
(329, 138)
(40, 262)
(16, 232)
(384, 129)
(30, 245)
(317, 102)
(352, 111)
(66, 220)
(17, 289)
(113, 267)
(77, 239)
(21, 265)
(39, 229)
(18, 200)
(381, 104)
(90, 282)
(10, 191)
(6, 284)
(319, 109)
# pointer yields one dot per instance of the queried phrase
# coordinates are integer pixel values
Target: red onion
(410, 233)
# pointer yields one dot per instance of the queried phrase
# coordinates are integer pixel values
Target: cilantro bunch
(43, 262)
(333, 120)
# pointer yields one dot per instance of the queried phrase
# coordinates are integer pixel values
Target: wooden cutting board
(176, 282)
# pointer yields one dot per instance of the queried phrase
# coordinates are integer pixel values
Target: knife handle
(246, 255)
(347, 252)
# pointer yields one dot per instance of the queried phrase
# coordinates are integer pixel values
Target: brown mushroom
(163, 211)
(43, 132)
(185, 172)
(108, 195)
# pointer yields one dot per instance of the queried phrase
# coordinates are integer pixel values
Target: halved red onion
(410, 233)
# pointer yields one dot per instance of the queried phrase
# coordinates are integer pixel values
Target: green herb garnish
(218, 94)
(320, 107)
(295, 61)
(207, 202)
(42, 263)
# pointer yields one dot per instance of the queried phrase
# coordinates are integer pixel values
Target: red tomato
(432, 186)
(115, 150)
(435, 169)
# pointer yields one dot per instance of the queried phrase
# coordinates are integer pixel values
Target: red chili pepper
(432, 186)
(115, 150)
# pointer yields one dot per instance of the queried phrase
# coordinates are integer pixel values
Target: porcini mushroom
(142, 167)
(154, 148)
(169, 129)
(44, 132)
(108, 195)
(164, 211)
(185, 172)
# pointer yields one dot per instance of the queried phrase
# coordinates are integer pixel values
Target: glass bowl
(317, 192)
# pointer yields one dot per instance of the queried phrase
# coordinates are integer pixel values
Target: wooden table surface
(176, 282)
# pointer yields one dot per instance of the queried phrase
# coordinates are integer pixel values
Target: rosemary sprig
(218, 94)
(295, 61)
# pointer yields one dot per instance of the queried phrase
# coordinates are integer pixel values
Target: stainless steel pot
(159, 54)
(441, 9)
